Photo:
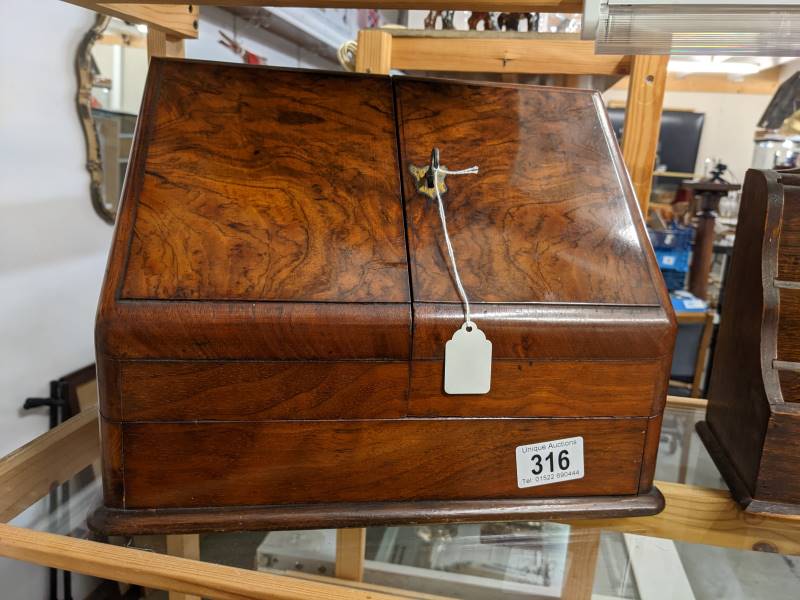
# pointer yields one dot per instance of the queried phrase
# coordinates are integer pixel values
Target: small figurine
(446, 15)
(249, 58)
(510, 21)
(481, 17)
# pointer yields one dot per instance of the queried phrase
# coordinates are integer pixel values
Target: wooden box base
(735, 483)
(110, 521)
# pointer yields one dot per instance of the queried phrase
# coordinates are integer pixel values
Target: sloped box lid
(271, 214)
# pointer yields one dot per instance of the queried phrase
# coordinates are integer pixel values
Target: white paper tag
(694, 303)
(468, 362)
(668, 260)
(550, 462)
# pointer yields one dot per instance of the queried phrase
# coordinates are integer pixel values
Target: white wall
(52, 245)
(729, 127)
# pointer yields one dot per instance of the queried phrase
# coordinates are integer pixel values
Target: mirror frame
(94, 160)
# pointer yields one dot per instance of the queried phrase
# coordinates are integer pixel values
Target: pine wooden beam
(698, 515)
(160, 43)
(185, 546)
(566, 6)
(350, 548)
(30, 472)
(764, 82)
(177, 20)
(543, 54)
(486, 52)
(581, 565)
(690, 403)
(643, 122)
(113, 39)
(163, 572)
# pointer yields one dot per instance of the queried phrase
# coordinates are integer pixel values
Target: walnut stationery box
(279, 295)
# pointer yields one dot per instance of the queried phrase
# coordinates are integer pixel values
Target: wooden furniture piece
(278, 298)
(708, 195)
(752, 428)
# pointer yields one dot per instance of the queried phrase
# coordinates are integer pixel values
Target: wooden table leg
(350, 546)
(184, 546)
(703, 253)
(579, 571)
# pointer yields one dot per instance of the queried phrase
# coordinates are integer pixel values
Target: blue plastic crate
(675, 280)
(674, 260)
(674, 238)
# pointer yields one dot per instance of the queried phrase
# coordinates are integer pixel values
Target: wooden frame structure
(176, 20)
(694, 515)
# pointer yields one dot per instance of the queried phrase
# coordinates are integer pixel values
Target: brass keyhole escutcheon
(424, 179)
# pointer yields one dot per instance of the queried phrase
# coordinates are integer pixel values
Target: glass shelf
(502, 560)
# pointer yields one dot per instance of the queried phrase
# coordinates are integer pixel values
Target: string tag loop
(468, 354)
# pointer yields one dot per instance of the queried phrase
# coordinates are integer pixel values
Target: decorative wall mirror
(111, 66)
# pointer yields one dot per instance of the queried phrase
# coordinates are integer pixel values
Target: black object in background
(784, 103)
(678, 139)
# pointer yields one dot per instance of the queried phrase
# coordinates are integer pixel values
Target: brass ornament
(424, 182)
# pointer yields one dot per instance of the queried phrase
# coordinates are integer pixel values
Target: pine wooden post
(350, 547)
(161, 44)
(374, 54)
(183, 546)
(643, 121)
(579, 571)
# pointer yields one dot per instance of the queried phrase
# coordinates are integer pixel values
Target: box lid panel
(550, 217)
(268, 185)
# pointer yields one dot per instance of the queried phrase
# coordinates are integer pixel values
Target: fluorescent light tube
(686, 67)
(692, 27)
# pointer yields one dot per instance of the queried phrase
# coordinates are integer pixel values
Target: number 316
(538, 462)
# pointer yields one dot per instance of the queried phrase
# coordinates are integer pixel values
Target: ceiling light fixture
(688, 67)
(688, 27)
